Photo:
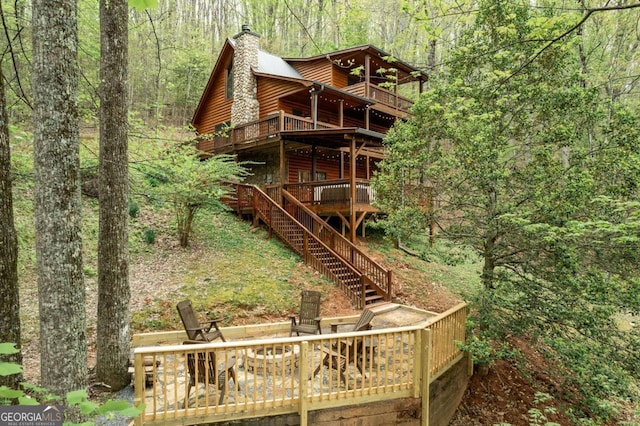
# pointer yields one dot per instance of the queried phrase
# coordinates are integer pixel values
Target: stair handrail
(377, 274)
(257, 192)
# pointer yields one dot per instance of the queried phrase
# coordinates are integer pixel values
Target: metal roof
(272, 64)
(275, 65)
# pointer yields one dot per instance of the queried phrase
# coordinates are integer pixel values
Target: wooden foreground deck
(405, 352)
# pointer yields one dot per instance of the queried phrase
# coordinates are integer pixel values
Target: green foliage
(484, 350)
(536, 171)
(143, 4)
(539, 416)
(149, 236)
(78, 399)
(134, 209)
(191, 183)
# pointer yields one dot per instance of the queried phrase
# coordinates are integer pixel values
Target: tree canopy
(533, 165)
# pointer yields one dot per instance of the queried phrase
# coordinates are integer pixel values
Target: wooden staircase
(363, 280)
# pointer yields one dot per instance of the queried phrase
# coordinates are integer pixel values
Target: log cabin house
(312, 127)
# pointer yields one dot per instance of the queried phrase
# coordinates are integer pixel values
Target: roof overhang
(363, 50)
(334, 138)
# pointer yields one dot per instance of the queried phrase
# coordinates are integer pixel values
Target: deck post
(425, 374)
(418, 359)
(303, 380)
(139, 385)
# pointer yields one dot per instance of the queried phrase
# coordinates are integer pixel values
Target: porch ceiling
(334, 138)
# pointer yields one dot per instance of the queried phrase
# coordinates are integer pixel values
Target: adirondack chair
(208, 371)
(195, 329)
(347, 351)
(309, 321)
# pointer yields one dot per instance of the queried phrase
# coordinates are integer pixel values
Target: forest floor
(504, 395)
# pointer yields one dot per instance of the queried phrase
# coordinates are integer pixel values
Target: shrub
(134, 209)
(149, 236)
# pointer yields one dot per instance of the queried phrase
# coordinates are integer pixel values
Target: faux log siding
(319, 70)
(354, 122)
(340, 78)
(217, 108)
(269, 92)
(304, 108)
(331, 166)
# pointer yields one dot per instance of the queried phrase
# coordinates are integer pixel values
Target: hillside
(245, 278)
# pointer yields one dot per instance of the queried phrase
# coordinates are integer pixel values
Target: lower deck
(276, 374)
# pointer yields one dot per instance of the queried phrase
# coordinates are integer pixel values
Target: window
(305, 176)
(230, 81)
(222, 129)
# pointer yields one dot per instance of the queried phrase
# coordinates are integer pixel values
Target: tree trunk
(61, 293)
(113, 256)
(9, 294)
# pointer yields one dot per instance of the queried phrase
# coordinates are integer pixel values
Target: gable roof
(268, 64)
(361, 50)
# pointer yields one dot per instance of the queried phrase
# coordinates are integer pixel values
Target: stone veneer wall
(245, 106)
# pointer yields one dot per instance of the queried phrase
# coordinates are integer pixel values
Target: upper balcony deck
(266, 131)
(386, 100)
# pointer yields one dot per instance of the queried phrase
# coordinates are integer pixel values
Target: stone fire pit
(272, 360)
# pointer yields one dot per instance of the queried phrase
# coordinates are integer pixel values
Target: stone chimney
(245, 106)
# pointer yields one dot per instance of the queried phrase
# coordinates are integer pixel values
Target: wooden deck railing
(332, 192)
(258, 130)
(394, 361)
(380, 277)
(381, 95)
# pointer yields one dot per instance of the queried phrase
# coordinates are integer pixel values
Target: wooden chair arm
(193, 342)
(209, 324)
(334, 325)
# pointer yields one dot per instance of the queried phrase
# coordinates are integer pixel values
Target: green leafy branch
(35, 395)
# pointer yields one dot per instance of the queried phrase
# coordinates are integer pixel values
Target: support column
(283, 165)
(341, 113)
(314, 162)
(352, 188)
(368, 168)
(366, 117)
(367, 78)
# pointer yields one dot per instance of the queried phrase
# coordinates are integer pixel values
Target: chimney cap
(246, 29)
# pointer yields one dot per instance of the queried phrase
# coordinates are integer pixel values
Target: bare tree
(61, 293)
(113, 254)
(9, 294)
